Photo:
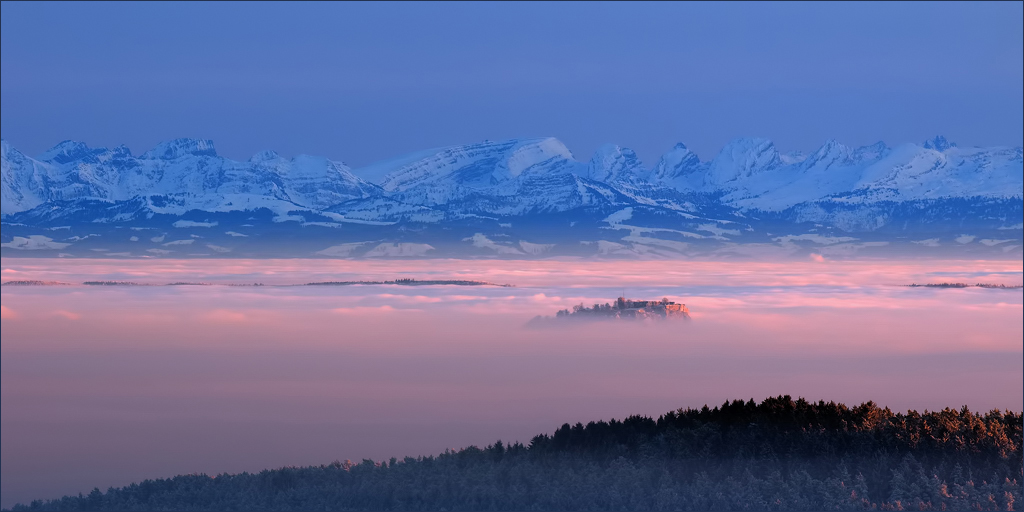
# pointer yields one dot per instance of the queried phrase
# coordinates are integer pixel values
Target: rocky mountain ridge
(935, 186)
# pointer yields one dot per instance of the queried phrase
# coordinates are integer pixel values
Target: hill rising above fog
(518, 198)
(780, 454)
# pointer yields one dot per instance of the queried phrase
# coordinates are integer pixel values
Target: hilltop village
(629, 309)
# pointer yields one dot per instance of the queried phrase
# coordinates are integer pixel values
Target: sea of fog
(106, 385)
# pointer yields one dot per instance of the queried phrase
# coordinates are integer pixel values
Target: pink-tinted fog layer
(107, 385)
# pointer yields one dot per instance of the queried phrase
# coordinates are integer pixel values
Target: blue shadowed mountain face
(516, 199)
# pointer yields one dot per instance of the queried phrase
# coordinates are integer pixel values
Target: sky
(362, 82)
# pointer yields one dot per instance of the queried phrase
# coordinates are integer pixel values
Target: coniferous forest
(781, 454)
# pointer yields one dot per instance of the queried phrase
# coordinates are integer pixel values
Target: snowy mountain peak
(178, 148)
(613, 163)
(266, 155)
(531, 154)
(678, 164)
(496, 178)
(69, 151)
(830, 153)
(833, 145)
(470, 166)
(873, 152)
(743, 158)
(939, 143)
(315, 165)
(793, 157)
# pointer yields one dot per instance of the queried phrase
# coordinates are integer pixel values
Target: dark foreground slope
(777, 455)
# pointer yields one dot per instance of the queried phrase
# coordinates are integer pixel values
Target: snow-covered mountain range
(519, 198)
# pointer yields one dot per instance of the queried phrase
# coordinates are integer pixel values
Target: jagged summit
(939, 143)
(265, 156)
(175, 177)
(742, 158)
(674, 167)
(871, 152)
(481, 164)
(69, 151)
(178, 148)
(612, 163)
(830, 153)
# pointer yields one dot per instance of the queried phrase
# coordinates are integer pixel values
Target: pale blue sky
(360, 82)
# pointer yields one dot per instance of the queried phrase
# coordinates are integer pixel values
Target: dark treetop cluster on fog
(780, 454)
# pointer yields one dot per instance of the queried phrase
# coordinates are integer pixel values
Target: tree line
(779, 454)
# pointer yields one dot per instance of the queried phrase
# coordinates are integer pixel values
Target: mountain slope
(494, 198)
(185, 174)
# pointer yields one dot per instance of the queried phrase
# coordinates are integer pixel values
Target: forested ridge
(781, 454)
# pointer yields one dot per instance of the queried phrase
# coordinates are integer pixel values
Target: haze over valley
(163, 380)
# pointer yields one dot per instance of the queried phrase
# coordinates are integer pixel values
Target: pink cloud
(466, 297)
(224, 315)
(367, 310)
(67, 314)
(6, 313)
(408, 298)
(794, 302)
(544, 273)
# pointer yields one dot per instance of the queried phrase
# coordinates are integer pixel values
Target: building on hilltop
(629, 309)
